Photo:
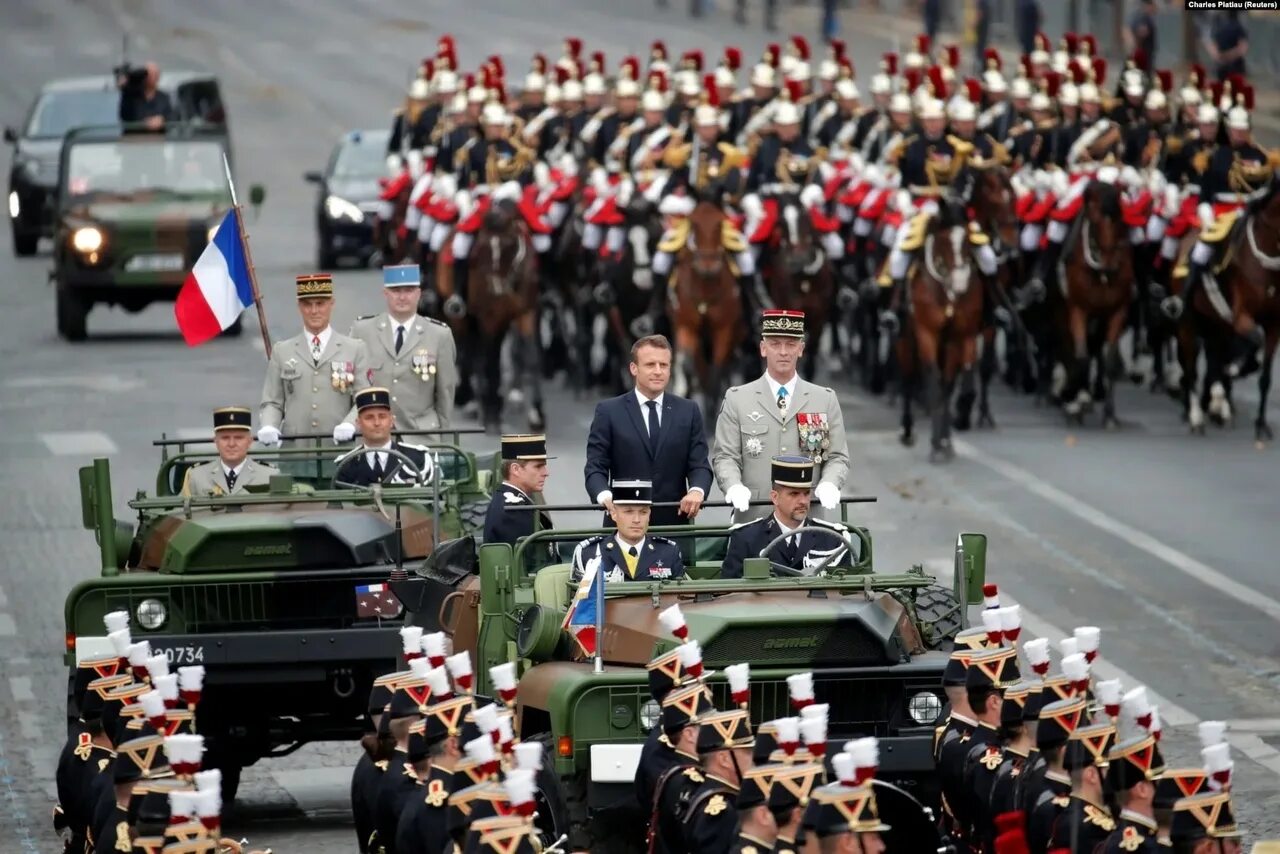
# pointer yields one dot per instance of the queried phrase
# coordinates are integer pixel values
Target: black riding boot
(455, 306)
(1036, 287)
(1175, 305)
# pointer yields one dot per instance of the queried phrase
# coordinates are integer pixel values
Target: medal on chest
(424, 365)
(815, 434)
(341, 375)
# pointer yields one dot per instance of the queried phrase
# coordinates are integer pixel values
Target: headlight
(87, 239)
(340, 208)
(650, 712)
(15, 206)
(213, 229)
(151, 614)
(924, 708)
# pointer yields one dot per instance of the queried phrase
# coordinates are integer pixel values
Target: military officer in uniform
(779, 413)
(1086, 822)
(756, 828)
(724, 744)
(370, 462)
(1058, 720)
(413, 356)
(233, 470)
(377, 746)
(791, 496)
(312, 377)
(1133, 768)
(1206, 824)
(846, 819)
(631, 554)
(990, 672)
(674, 789)
(986, 770)
(524, 473)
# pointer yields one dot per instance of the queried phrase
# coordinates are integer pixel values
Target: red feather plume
(732, 58)
(801, 46)
(991, 59)
(973, 90)
(889, 62)
(837, 48)
(711, 93)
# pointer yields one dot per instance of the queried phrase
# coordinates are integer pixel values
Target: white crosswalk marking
(78, 443)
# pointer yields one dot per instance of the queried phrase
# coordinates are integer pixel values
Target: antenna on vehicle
(398, 573)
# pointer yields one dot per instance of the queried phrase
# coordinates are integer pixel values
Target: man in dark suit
(375, 464)
(792, 496)
(649, 434)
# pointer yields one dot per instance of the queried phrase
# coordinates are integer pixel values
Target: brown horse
(1097, 290)
(501, 295)
(1241, 304)
(799, 274)
(945, 300)
(705, 308)
(390, 235)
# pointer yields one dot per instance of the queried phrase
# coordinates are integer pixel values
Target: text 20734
(180, 655)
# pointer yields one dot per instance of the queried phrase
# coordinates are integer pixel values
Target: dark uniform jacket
(1001, 799)
(703, 171)
(1133, 833)
(1037, 146)
(927, 165)
(711, 820)
(412, 133)
(365, 780)
(77, 765)
(793, 165)
(610, 127)
(741, 112)
(657, 558)
(492, 162)
(399, 784)
(1049, 806)
(954, 775)
(113, 832)
(357, 471)
(1081, 827)
(1063, 138)
(785, 846)
(1238, 169)
(1144, 144)
(805, 550)
(424, 824)
(747, 844)
(980, 781)
(453, 142)
(674, 791)
(656, 757)
(503, 527)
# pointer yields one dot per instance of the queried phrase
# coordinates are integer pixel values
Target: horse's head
(706, 224)
(1107, 236)
(946, 258)
(501, 246)
(993, 204)
(797, 245)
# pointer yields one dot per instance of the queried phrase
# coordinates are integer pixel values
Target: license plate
(180, 655)
(154, 264)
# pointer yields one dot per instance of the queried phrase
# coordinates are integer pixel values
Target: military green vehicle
(261, 587)
(876, 643)
(134, 210)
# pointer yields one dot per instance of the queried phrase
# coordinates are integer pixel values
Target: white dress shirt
(379, 453)
(644, 408)
(627, 547)
(228, 471)
(786, 529)
(324, 337)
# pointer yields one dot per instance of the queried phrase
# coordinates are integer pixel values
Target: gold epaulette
(819, 155)
(1273, 158)
(676, 156)
(962, 146)
(1174, 144)
(734, 157)
(1200, 162)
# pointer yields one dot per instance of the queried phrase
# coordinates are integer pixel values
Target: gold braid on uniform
(677, 156)
(499, 169)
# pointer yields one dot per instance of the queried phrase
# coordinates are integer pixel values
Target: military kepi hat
(370, 397)
(315, 285)
(792, 471)
(232, 418)
(402, 276)
(632, 492)
(782, 323)
(519, 447)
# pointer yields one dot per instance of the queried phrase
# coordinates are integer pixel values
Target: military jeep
(260, 587)
(876, 643)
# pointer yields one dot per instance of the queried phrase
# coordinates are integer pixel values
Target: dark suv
(348, 200)
(63, 105)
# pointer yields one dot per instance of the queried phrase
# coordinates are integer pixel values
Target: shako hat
(1013, 707)
(782, 323)
(794, 471)
(685, 706)
(1178, 783)
(232, 418)
(632, 492)
(792, 785)
(1058, 720)
(993, 668)
(371, 397)
(755, 786)
(1204, 816)
(967, 643)
(1134, 761)
(314, 285)
(664, 674)
(140, 757)
(724, 731)
(524, 446)
(1089, 745)
(838, 809)
(402, 276)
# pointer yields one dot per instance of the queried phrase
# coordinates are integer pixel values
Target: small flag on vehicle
(583, 616)
(376, 600)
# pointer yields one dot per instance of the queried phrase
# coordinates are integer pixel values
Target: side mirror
(312, 177)
(10, 135)
(257, 193)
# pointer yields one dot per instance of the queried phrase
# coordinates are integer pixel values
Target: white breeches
(833, 245)
(1058, 231)
(462, 245)
(614, 239)
(1029, 239)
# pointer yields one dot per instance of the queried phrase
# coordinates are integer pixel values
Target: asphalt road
(1166, 542)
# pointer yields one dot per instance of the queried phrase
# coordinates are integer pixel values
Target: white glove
(344, 432)
(268, 435)
(605, 496)
(738, 495)
(828, 495)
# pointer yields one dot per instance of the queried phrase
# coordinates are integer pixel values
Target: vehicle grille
(208, 607)
(859, 706)
(832, 644)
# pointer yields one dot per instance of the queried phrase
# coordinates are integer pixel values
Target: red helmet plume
(732, 58)
(710, 92)
(889, 64)
(800, 45)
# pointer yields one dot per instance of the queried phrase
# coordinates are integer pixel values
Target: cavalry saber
(461, 431)
(757, 502)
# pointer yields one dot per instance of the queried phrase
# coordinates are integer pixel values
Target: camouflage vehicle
(261, 588)
(876, 643)
(134, 210)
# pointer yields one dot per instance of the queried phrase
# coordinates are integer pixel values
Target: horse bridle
(503, 283)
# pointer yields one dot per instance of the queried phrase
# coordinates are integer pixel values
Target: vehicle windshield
(58, 112)
(362, 156)
(143, 166)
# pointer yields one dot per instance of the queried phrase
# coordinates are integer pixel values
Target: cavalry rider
(643, 150)
(413, 123)
(881, 91)
(606, 135)
(1033, 141)
(1185, 170)
(757, 97)
(998, 118)
(493, 167)
(838, 122)
(964, 125)
(1238, 173)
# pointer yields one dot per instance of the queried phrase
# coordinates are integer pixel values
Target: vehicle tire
(234, 330)
(552, 803)
(24, 245)
(73, 313)
(596, 833)
(939, 614)
(471, 517)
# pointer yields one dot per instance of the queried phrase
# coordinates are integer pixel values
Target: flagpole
(599, 662)
(244, 244)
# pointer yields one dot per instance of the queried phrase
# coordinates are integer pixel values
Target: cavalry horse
(1097, 289)
(944, 299)
(1239, 301)
(798, 273)
(501, 296)
(705, 307)
(390, 235)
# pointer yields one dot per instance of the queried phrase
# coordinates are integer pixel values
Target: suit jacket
(301, 395)
(356, 469)
(210, 478)
(618, 449)
(813, 548)
(659, 559)
(421, 378)
(750, 430)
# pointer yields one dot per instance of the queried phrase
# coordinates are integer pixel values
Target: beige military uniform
(211, 478)
(751, 431)
(422, 377)
(301, 395)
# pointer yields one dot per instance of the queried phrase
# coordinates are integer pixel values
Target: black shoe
(1175, 304)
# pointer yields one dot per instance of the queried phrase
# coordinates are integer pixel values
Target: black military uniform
(709, 172)
(867, 120)
(494, 161)
(499, 525)
(454, 141)
(399, 782)
(357, 470)
(611, 126)
(793, 165)
(1134, 761)
(711, 820)
(741, 113)
(1208, 815)
(1037, 145)
(674, 788)
(996, 670)
(1017, 762)
(929, 165)
(657, 754)
(753, 793)
(1050, 796)
(422, 825)
(367, 776)
(1083, 825)
(137, 759)
(1145, 143)
(412, 127)
(652, 559)
(84, 756)
(985, 767)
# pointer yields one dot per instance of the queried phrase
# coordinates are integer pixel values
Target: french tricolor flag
(218, 288)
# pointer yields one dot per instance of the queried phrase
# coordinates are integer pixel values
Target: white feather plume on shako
(1036, 651)
(438, 681)
(866, 757)
(411, 641)
(800, 686)
(1088, 637)
(459, 667)
(672, 619)
(116, 621)
(739, 676)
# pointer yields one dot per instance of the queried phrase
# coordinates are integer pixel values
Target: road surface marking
(1140, 540)
(20, 688)
(78, 443)
(4, 599)
(7, 627)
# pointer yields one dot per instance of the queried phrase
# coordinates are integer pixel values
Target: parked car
(348, 199)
